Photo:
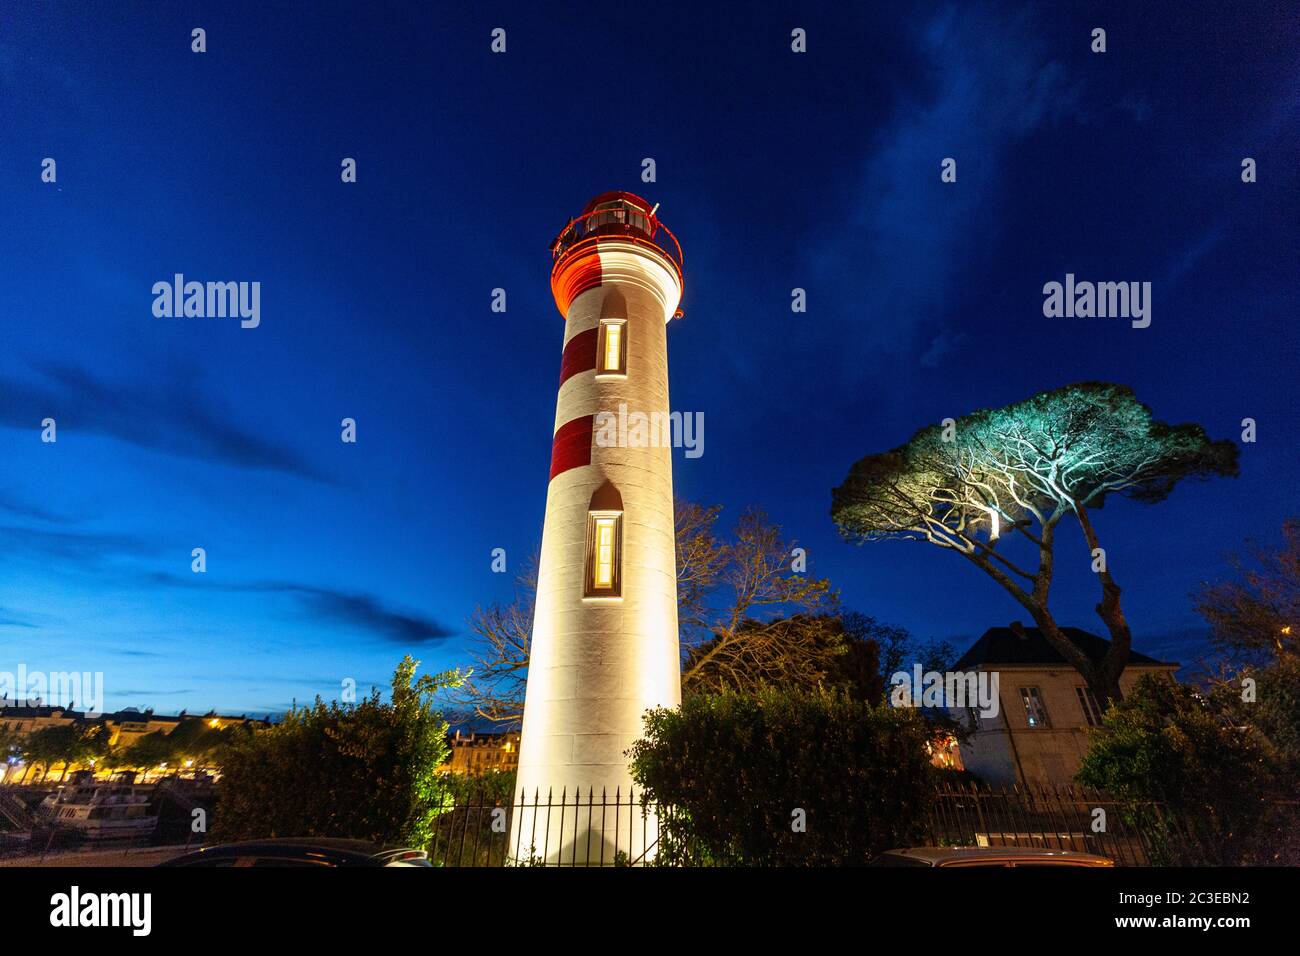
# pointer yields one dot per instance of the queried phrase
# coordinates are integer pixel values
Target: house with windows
(1040, 733)
(476, 752)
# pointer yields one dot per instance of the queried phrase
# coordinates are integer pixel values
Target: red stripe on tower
(572, 445)
(581, 272)
(579, 354)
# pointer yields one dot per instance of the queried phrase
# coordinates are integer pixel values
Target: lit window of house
(613, 347)
(1035, 710)
(1088, 704)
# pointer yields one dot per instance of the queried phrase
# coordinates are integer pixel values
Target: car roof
(287, 843)
(339, 849)
(941, 855)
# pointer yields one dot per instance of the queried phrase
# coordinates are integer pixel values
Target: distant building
(1040, 733)
(125, 728)
(26, 719)
(476, 752)
(128, 726)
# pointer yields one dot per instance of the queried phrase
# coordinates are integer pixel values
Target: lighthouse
(604, 642)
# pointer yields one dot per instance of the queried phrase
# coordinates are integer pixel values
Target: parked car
(988, 856)
(307, 851)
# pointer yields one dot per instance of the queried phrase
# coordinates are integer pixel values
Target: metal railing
(14, 812)
(625, 829)
(628, 223)
(1132, 833)
(549, 829)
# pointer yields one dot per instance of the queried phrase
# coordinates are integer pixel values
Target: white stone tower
(605, 645)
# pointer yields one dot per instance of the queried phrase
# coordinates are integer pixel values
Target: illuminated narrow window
(613, 347)
(604, 571)
(1035, 710)
(603, 554)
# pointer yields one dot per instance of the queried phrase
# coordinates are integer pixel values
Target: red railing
(641, 229)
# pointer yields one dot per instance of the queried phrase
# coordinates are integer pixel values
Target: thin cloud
(173, 418)
(26, 509)
(333, 606)
(10, 618)
(151, 692)
(80, 547)
(1188, 259)
(367, 613)
(908, 235)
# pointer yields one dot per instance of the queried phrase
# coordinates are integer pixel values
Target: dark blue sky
(776, 170)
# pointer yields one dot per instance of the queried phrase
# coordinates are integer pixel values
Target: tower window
(613, 347)
(604, 547)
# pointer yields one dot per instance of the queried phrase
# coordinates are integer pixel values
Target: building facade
(474, 753)
(125, 728)
(1045, 710)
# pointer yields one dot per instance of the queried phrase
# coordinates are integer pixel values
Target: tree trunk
(1102, 686)
(1095, 677)
(1112, 615)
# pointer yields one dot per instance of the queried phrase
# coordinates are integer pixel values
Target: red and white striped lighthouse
(605, 644)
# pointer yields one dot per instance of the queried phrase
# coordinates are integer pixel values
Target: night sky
(776, 170)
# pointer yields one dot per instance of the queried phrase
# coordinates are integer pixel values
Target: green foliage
(1205, 756)
(486, 788)
(10, 743)
(68, 744)
(364, 771)
(994, 485)
(193, 739)
(1071, 447)
(1168, 741)
(733, 770)
(148, 753)
(1275, 714)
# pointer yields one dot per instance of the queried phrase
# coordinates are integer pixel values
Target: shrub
(1199, 753)
(737, 773)
(362, 771)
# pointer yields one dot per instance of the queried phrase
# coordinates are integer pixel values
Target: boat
(100, 809)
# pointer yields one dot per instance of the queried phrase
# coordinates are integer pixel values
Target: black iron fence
(624, 829)
(550, 829)
(1132, 833)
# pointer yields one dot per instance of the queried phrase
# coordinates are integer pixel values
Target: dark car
(306, 851)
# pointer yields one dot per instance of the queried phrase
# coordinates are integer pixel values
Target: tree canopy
(968, 484)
